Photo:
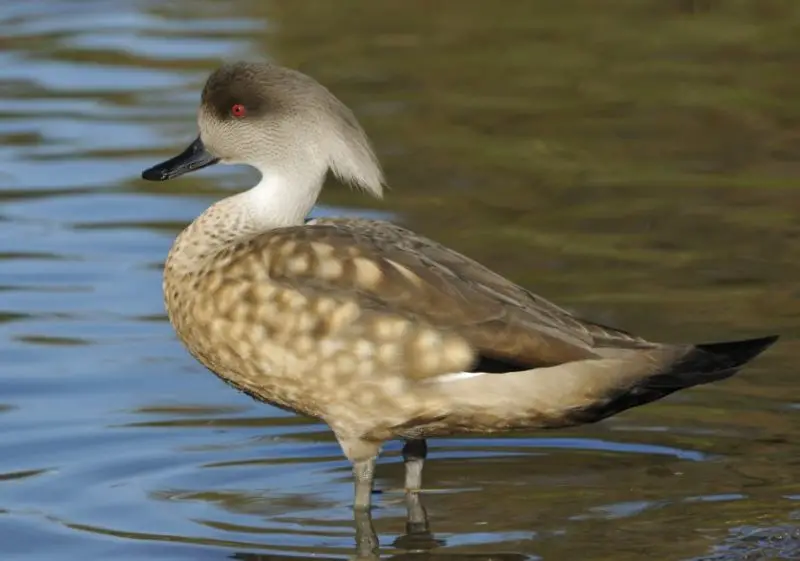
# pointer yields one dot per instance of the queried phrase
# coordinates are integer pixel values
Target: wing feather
(391, 272)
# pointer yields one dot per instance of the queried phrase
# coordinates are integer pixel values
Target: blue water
(115, 443)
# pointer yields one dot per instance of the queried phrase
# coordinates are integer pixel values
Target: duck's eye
(238, 110)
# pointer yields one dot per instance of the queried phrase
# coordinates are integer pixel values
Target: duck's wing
(423, 254)
(390, 272)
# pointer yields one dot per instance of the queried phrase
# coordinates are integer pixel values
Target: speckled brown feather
(482, 292)
(323, 317)
(346, 319)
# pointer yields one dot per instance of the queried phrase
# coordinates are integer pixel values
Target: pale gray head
(281, 122)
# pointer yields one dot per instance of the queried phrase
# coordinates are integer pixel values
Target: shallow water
(637, 164)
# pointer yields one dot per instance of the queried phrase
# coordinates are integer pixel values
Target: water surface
(636, 163)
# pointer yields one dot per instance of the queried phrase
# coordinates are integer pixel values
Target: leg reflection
(417, 537)
(367, 543)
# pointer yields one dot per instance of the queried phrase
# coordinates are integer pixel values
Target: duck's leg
(418, 536)
(363, 454)
(414, 452)
(364, 475)
(416, 515)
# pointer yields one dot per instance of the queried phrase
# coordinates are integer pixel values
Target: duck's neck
(279, 199)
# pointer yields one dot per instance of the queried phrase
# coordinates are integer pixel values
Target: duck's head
(281, 122)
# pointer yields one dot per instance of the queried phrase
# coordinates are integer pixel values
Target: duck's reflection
(417, 541)
(417, 537)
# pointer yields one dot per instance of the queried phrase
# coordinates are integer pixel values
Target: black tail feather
(702, 364)
(711, 357)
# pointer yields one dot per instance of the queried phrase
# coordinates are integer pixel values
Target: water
(637, 164)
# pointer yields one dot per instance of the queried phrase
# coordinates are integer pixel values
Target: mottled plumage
(367, 325)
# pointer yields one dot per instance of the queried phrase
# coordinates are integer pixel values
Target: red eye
(238, 110)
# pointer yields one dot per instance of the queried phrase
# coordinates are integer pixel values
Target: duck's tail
(716, 361)
(677, 367)
(587, 391)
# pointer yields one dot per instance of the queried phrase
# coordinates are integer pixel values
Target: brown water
(636, 162)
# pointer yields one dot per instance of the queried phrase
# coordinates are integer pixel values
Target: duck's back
(295, 298)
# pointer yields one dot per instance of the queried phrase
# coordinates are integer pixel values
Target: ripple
(16, 475)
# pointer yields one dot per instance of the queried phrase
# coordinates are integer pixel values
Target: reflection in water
(637, 163)
(417, 542)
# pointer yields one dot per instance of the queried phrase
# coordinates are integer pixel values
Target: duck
(377, 331)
